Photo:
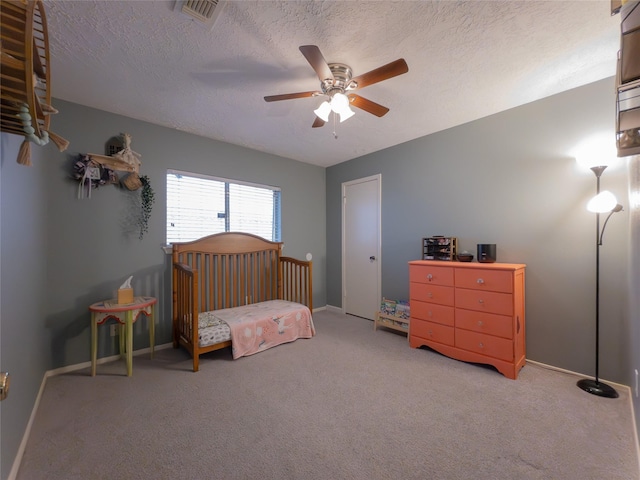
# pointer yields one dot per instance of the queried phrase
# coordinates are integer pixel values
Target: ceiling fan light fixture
(323, 111)
(340, 105)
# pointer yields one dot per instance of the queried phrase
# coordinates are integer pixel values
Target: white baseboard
(59, 371)
(331, 308)
(576, 374)
(25, 437)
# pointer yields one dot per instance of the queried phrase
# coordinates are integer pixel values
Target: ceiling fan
(338, 83)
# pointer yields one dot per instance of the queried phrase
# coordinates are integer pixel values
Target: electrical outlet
(636, 383)
(113, 330)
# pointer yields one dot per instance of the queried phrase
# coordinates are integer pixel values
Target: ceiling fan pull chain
(335, 135)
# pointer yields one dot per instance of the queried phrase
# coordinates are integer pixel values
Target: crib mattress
(212, 330)
(256, 327)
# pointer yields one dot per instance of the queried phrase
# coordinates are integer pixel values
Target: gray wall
(25, 342)
(60, 254)
(509, 179)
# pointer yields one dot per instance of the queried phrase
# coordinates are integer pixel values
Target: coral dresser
(469, 311)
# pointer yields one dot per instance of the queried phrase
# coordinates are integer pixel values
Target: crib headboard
(233, 269)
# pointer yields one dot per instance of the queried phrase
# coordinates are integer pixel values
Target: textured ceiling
(467, 60)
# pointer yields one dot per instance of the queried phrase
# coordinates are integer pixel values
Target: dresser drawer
(489, 345)
(432, 312)
(489, 323)
(488, 302)
(484, 279)
(432, 331)
(431, 275)
(431, 293)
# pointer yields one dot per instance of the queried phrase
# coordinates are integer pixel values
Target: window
(199, 205)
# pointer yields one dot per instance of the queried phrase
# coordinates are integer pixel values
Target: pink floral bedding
(263, 325)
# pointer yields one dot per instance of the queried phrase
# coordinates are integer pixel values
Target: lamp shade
(339, 103)
(603, 202)
(323, 111)
(346, 114)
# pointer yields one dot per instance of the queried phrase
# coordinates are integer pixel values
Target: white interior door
(361, 247)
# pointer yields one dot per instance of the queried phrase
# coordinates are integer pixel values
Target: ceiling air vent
(200, 9)
(204, 11)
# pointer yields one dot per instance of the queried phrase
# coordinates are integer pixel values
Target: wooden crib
(228, 270)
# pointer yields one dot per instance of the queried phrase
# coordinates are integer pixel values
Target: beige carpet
(350, 403)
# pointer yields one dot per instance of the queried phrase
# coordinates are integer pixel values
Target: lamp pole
(595, 386)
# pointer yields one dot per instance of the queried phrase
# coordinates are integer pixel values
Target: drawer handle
(429, 277)
(480, 281)
(480, 323)
(430, 295)
(430, 313)
(430, 333)
(480, 300)
(481, 345)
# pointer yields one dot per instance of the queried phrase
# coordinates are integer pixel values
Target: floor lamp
(603, 202)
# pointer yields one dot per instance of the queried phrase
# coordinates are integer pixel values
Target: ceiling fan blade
(290, 96)
(316, 60)
(367, 105)
(318, 122)
(384, 72)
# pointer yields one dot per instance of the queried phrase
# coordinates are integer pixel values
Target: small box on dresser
(473, 312)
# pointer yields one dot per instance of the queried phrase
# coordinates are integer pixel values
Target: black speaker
(486, 252)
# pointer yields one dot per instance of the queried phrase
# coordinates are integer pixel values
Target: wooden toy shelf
(391, 321)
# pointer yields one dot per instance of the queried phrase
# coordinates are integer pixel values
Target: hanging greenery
(147, 197)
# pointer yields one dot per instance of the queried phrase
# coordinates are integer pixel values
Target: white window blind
(198, 205)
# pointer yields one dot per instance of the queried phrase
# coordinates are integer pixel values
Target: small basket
(132, 181)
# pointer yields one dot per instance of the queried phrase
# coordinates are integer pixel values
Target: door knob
(372, 258)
